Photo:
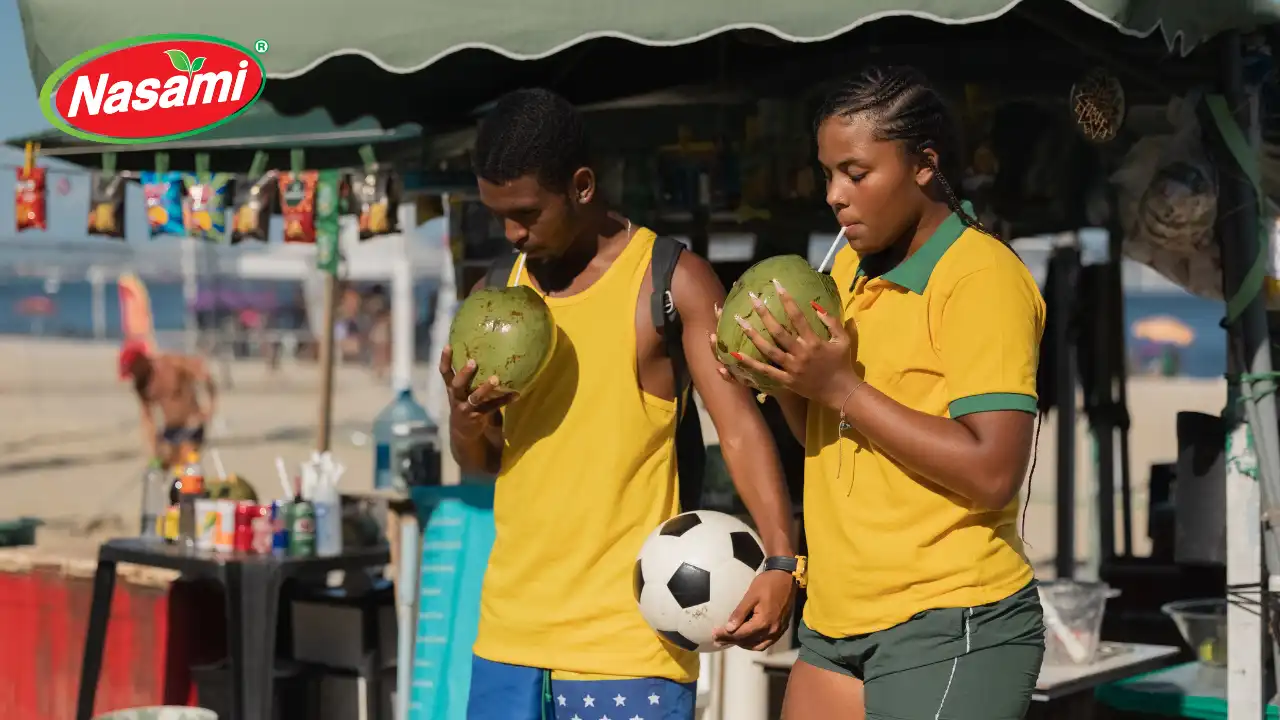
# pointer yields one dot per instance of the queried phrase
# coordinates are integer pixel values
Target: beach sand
(71, 451)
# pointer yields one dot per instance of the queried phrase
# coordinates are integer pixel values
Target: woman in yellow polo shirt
(917, 418)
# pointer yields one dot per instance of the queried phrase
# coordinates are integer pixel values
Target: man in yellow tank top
(585, 458)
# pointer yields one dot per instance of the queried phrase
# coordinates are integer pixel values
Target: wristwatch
(794, 566)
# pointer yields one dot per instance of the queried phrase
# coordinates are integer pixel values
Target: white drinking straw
(835, 245)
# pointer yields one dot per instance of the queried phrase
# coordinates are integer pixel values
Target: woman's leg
(812, 692)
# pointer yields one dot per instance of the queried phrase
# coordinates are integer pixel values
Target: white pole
(746, 686)
(1244, 570)
(407, 616)
(99, 302)
(403, 308)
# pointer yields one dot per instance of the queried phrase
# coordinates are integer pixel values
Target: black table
(252, 584)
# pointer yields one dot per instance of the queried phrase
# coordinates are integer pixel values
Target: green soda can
(302, 529)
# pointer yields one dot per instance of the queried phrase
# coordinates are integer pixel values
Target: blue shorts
(514, 692)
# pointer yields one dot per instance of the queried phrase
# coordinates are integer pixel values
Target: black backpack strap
(499, 272)
(691, 451)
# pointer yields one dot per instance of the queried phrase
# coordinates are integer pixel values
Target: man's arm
(749, 451)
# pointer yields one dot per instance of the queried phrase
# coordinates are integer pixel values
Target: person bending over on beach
(171, 384)
(917, 418)
(585, 457)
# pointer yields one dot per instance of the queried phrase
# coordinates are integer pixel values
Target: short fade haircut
(531, 132)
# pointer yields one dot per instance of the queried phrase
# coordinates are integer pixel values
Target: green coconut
(802, 283)
(508, 331)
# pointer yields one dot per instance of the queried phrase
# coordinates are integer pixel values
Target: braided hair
(903, 106)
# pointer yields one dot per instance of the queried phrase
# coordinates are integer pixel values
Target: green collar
(913, 273)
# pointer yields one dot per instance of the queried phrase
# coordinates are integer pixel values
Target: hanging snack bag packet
(377, 195)
(204, 207)
(29, 194)
(106, 205)
(297, 205)
(252, 215)
(163, 192)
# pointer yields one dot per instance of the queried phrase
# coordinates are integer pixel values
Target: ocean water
(73, 314)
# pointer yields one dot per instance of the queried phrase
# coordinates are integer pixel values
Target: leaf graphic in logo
(180, 61)
(197, 64)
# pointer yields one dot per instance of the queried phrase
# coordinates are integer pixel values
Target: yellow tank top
(588, 471)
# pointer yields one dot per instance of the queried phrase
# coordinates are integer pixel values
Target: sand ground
(71, 451)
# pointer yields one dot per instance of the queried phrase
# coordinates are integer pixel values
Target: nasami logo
(152, 88)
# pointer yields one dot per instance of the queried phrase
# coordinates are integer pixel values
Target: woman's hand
(813, 368)
(725, 372)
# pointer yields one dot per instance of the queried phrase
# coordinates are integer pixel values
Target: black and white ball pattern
(692, 572)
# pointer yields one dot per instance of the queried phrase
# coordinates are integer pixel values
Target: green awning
(234, 144)
(403, 36)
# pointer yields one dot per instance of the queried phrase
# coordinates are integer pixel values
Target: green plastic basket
(15, 533)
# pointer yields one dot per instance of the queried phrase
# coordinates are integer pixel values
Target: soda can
(206, 523)
(279, 526)
(224, 540)
(263, 534)
(243, 541)
(302, 529)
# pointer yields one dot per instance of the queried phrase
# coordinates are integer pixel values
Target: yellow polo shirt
(952, 330)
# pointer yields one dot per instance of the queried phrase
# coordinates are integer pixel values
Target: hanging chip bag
(163, 192)
(29, 196)
(251, 218)
(203, 208)
(106, 205)
(377, 195)
(297, 205)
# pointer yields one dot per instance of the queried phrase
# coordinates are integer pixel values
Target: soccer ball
(691, 574)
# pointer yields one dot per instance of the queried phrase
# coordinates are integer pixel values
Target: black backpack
(691, 451)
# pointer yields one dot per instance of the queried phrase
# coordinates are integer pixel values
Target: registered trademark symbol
(260, 46)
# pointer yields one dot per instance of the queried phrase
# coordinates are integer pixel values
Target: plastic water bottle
(155, 490)
(398, 422)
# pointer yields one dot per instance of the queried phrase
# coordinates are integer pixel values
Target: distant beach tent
(1163, 330)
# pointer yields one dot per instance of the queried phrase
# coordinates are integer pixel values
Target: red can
(245, 513)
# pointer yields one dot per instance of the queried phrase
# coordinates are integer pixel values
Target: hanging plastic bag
(1167, 190)
(252, 214)
(203, 208)
(163, 191)
(29, 193)
(297, 205)
(377, 195)
(106, 205)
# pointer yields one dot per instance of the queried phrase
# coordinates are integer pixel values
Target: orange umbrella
(1164, 330)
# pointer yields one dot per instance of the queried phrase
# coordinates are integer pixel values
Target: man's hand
(471, 412)
(763, 615)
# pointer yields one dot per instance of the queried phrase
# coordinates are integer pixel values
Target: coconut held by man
(508, 332)
(801, 282)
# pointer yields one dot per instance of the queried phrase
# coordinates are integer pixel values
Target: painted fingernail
(745, 325)
(754, 297)
(718, 309)
(778, 286)
(471, 363)
(736, 356)
(816, 306)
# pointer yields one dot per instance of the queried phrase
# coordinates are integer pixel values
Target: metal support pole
(1238, 229)
(1066, 266)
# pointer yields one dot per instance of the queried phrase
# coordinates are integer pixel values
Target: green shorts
(978, 663)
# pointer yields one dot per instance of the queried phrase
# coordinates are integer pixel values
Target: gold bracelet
(844, 419)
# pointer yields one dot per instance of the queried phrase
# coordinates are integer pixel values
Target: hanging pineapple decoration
(1097, 100)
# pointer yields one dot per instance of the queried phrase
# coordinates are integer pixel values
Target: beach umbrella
(1163, 330)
